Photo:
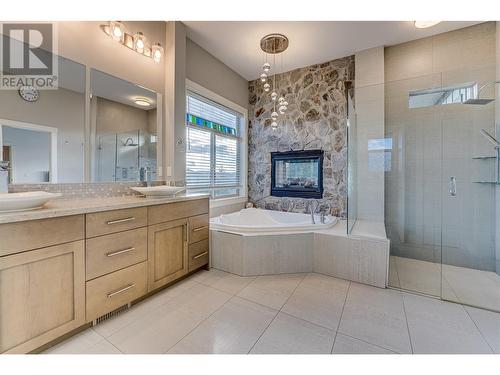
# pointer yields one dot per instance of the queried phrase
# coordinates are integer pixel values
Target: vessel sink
(29, 200)
(160, 191)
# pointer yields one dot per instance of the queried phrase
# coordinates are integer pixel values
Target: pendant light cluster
(273, 44)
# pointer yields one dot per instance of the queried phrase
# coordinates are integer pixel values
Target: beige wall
(211, 73)
(87, 44)
(113, 117)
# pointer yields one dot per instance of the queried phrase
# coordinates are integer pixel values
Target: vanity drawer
(198, 228)
(198, 254)
(35, 234)
(109, 292)
(178, 210)
(107, 222)
(113, 252)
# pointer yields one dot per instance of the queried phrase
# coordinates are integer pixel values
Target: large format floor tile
(488, 323)
(227, 282)
(289, 335)
(87, 342)
(349, 345)
(441, 327)
(165, 326)
(318, 299)
(272, 291)
(233, 329)
(376, 316)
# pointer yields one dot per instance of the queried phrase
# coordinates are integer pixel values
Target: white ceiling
(237, 43)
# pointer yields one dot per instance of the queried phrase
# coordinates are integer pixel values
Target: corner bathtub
(255, 221)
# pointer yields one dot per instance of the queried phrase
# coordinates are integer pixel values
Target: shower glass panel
(469, 256)
(440, 208)
(413, 185)
(352, 163)
(126, 156)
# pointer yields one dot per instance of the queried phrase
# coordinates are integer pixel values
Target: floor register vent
(111, 314)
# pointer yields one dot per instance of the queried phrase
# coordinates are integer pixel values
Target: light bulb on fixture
(263, 77)
(139, 42)
(281, 100)
(143, 102)
(274, 115)
(425, 24)
(274, 125)
(116, 30)
(266, 67)
(274, 95)
(267, 87)
(157, 52)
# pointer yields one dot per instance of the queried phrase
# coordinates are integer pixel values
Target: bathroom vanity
(74, 262)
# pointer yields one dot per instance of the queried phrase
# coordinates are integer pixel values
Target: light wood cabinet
(42, 296)
(167, 252)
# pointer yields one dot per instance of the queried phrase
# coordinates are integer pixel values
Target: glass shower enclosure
(126, 156)
(441, 186)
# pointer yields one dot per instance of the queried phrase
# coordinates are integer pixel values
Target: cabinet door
(42, 296)
(167, 252)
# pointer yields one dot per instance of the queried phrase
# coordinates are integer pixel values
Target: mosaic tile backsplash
(86, 190)
(316, 118)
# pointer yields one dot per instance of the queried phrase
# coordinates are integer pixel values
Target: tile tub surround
(330, 252)
(315, 119)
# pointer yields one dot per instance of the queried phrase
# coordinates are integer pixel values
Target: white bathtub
(255, 221)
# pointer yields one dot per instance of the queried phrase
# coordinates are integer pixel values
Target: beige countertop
(67, 207)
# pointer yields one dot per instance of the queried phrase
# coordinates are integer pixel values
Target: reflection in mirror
(123, 130)
(43, 140)
(443, 95)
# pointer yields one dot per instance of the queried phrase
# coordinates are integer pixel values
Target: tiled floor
(459, 284)
(217, 312)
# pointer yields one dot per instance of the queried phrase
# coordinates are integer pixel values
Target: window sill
(227, 201)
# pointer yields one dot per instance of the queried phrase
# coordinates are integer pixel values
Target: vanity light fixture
(143, 102)
(425, 24)
(137, 42)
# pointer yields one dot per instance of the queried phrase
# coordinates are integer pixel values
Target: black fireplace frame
(297, 192)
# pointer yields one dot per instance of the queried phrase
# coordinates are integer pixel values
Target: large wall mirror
(47, 136)
(124, 126)
(42, 132)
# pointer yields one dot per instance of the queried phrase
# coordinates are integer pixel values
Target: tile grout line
(340, 319)
(406, 320)
(480, 333)
(370, 343)
(105, 339)
(277, 313)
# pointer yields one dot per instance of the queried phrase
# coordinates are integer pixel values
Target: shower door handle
(453, 186)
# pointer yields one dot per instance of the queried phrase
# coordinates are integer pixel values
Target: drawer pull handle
(121, 290)
(200, 228)
(200, 255)
(120, 220)
(113, 253)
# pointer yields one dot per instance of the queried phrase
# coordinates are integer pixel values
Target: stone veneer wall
(316, 119)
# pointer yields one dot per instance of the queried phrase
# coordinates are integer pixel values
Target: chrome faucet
(313, 207)
(4, 176)
(146, 175)
(322, 217)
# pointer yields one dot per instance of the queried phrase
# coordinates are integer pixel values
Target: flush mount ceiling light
(137, 42)
(425, 24)
(273, 44)
(143, 102)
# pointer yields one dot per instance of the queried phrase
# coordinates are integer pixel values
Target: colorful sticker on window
(195, 120)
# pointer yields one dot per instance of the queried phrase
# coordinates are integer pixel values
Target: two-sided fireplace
(297, 174)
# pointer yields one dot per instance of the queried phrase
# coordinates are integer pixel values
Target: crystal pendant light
(263, 77)
(267, 87)
(157, 52)
(139, 42)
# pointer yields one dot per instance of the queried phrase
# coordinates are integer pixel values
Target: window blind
(213, 147)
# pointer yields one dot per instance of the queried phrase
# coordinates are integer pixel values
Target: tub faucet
(313, 207)
(4, 176)
(322, 217)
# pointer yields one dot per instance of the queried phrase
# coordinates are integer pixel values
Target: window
(213, 149)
